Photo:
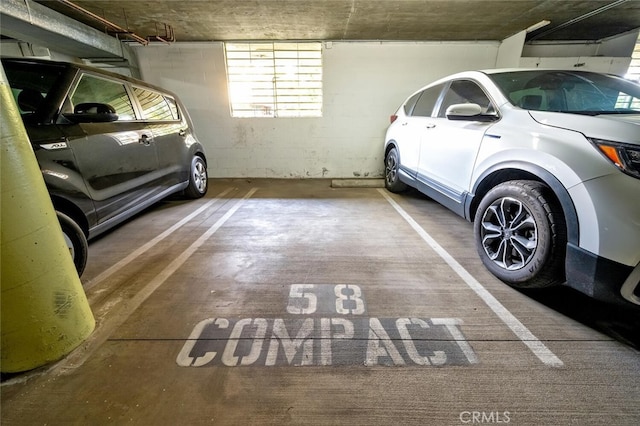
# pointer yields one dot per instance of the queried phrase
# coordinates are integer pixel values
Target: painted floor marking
(326, 341)
(536, 346)
(102, 333)
(144, 248)
(328, 326)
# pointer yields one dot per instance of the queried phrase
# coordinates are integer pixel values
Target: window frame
(133, 101)
(439, 90)
(442, 103)
(165, 98)
(254, 71)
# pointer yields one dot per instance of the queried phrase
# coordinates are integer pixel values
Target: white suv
(545, 162)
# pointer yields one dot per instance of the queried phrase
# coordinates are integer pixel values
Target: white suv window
(426, 103)
(462, 92)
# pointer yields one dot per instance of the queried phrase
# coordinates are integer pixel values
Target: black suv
(108, 145)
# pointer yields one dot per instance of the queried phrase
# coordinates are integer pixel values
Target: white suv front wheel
(520, 234)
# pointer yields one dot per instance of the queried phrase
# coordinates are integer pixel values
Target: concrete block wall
(363, 84)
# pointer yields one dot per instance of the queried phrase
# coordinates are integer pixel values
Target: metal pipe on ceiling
(109, 24)
(579, 18)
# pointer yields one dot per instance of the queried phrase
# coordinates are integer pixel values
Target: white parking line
(142, 249)
(178, 261)
(127, 307)
(536, 346)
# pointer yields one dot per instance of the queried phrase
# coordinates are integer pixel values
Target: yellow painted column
(44, 311)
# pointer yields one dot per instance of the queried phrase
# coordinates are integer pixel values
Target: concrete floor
(291, 302)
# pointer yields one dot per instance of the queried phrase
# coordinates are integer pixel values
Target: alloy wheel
(200, 176)
(509, 233)
(391, 171)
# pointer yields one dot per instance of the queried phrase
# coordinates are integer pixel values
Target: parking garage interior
(299, 290)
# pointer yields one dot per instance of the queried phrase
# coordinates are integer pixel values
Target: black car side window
(463, 92)
(154, 106)
(426, 103)
(174, 107)
(92, 89)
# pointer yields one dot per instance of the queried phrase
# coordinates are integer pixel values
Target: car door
(448, 148)
(162, 118)
(418, 110)
(117, 159)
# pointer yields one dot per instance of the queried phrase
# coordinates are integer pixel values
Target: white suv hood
(614, 127)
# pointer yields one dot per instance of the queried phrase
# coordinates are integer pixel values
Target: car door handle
(145, 140)
(182, 132)
(430, 126)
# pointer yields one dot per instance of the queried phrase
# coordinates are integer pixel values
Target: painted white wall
(510, 51)
(620, 46)
(612, 55)
(618, 66)
(364, 83)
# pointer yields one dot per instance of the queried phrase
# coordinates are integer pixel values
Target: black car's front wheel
(520, 234)
(75, 240)
(198, 179)
(391, 172)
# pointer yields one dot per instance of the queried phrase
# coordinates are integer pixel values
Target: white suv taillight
(393, 118)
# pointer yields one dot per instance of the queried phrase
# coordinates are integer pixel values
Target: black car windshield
(578, 92)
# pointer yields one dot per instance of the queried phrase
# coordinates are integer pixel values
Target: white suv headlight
(625, 156)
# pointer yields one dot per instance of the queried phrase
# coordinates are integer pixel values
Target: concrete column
(44, 311)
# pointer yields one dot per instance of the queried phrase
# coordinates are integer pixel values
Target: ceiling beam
(31, 22)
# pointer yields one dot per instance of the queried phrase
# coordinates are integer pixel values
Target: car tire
(391, 172)
(198, 179)
(76, 241)
(520, 234)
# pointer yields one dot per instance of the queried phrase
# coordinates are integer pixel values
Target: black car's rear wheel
(520, 234)
(198, 179)
(75, 240)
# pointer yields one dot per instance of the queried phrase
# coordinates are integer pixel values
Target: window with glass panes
(279, 79)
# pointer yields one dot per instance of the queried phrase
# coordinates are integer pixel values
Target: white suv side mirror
(468, 112)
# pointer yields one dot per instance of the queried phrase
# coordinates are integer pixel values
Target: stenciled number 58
(303, 300)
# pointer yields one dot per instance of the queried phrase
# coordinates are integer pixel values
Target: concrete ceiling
(425, 20)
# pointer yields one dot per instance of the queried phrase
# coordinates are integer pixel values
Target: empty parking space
(292, 302)
(303, 212)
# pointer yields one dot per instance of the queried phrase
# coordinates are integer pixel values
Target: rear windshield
(31, 83)
(569, 91)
